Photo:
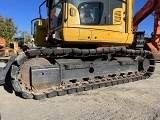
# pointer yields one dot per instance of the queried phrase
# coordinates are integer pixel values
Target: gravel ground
(132, 101)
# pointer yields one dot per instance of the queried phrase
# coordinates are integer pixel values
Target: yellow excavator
(82, 45)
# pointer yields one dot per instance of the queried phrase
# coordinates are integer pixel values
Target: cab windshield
(90, 13)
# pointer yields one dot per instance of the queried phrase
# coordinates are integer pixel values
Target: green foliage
(7, 29)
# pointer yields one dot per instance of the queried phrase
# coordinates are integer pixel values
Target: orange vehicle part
(147, 9)
(150, 7)
(2, 44)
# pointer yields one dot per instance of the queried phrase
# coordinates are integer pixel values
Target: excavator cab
(92, 22)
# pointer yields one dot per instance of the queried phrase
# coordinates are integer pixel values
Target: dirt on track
(132, 101)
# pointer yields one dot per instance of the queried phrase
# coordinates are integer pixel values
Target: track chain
(87, 83)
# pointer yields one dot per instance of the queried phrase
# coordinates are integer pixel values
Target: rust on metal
(25, 69)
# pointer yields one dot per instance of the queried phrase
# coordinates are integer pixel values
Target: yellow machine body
(40, 31)
(71, 31)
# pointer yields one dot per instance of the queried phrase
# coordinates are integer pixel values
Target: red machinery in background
(2, 46)
(153, 43)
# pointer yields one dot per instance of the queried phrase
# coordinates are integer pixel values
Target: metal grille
(117, 17)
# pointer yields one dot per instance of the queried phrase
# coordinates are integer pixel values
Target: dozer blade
(42, 73)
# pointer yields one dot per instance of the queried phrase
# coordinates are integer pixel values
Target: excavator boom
(145, 11)
(151, 6)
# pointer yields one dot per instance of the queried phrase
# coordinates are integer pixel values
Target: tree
(7, 29)
(27, 37)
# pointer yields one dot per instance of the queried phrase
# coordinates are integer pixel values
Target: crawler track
(83, 84)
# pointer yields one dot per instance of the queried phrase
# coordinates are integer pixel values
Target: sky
(23, 11)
